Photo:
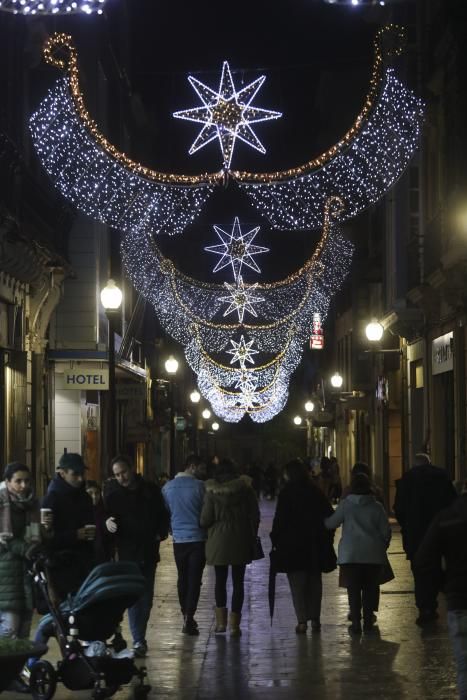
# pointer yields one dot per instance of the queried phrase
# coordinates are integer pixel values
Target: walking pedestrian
(71, 543)
(139, 520)
(442, 555)
(184, 497)
(302, 547)
(420, 494)
(231, 515)
(362, 548)
(103, 542)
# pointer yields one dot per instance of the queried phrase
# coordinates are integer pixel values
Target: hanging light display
(107, 185)
(52, 7)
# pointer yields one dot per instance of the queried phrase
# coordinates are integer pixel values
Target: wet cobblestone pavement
(399, 660)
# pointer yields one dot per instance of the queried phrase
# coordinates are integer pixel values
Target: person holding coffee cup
(71, 546)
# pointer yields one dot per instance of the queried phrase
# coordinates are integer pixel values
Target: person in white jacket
(362, 549)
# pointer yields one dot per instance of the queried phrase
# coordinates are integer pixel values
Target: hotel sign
(442, 356)
(96, 379)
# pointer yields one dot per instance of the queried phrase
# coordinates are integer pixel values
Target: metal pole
(172, 430)
(111, 412)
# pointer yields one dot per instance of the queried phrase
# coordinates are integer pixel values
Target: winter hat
(72, 461)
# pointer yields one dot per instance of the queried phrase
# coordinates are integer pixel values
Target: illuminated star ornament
(237, 248)
(242, 352)
(241, 299)
(52, 7)
(227, 115)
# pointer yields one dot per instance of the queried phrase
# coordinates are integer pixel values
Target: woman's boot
(234, 621)
(221, 620)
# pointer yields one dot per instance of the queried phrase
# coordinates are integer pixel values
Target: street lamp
(309, 406)
(195, 398)
(206, 414)
(215, 426)
(374, 331)
(336, 380)
(111, 298)
(297, 420)
(171, 367)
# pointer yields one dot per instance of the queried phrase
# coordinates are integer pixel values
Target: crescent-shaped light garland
(190, 311)
(106, 184)
(100, 180)
(34, 8)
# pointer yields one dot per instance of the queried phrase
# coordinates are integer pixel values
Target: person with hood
(231, 516)
(139, 520)
(442, 555)
(362, 548)
(420, 494)
(71, 544)
(302, 547)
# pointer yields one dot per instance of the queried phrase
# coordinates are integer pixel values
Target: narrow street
(399, 661)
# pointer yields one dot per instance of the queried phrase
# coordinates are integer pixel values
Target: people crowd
(212, 513)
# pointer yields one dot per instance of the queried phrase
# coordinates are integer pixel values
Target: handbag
(258, 552)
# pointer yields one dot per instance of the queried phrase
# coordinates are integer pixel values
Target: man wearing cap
(71, 546)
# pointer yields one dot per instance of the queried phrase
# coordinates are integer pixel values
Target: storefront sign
(317, 335)
(442, 354)
(97, 379)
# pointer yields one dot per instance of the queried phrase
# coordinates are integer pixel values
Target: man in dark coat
(445, 540)
(420, 494)
(71, 546)
(139, 520)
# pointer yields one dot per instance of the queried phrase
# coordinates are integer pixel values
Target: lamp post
(195, 398)
(111, 298)
(171, 367)
(336, 380)
(309, 408)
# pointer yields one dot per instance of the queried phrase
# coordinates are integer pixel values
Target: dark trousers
(238, 594)
(363, 589)
(138, 614)
(190, 560)
(426, 590)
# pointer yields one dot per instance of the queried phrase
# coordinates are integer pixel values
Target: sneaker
(140, 649)
(190, 627)
(425, 617)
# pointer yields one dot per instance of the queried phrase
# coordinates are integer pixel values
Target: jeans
(138, 614)
(190, 560)
(307, 591)
(15, 624)
(238, 594)
(457, 625)
(362, 589)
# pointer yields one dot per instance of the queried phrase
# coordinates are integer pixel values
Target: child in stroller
(94, 614)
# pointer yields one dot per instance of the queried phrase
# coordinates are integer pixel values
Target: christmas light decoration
(93, 174)
(52, 7)
(241, 298)
(242, 352)
(227, 115)
(237, 248)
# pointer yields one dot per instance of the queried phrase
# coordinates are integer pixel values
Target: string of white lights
(360, 173)
(52, 7)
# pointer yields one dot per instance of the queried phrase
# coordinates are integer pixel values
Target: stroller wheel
(43, 680)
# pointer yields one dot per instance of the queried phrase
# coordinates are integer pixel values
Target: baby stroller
(94, 614)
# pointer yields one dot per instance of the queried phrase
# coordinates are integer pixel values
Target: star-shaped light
(241, 299)
(248, 399)
(227, 114)
(242, 352)
(236, 248)
(245, 380)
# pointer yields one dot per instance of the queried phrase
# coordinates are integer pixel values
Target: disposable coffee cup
(90, 531)
(46, 517)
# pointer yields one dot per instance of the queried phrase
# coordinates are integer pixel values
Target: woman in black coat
(302, 547)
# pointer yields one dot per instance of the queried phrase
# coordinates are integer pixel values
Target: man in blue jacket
(184, 497)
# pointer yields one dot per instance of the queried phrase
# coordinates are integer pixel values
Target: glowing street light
(195, 397)
(171, 365)
(297, 420)
(374, 331)
(215, 426)
(309, 406)
(206, 414)
(336, 380)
